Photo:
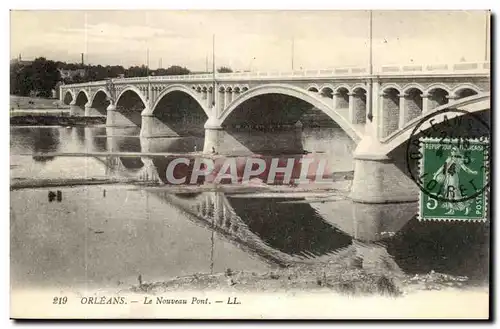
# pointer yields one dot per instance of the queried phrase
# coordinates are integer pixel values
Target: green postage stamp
(453, 179)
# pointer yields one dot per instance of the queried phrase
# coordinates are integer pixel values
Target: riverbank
(55, 120)
(36, 103)
(30, 183)
(346, 277)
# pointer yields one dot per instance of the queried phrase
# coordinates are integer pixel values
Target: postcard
(250, 164)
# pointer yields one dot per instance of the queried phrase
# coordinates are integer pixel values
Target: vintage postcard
(250, 164)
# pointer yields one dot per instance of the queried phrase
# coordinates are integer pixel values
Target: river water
(108, 235)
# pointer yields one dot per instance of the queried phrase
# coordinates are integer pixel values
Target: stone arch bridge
(377, 111)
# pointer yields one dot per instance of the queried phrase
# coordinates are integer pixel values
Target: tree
(160, 72)
(19, 82)
(224, 69)
(40, 77)
(177, 70)
(136, 71)
(44, 76)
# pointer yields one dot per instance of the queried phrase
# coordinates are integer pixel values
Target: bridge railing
(456, 68)
(473, 68)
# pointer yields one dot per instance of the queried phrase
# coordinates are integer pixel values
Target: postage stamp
(455, 175)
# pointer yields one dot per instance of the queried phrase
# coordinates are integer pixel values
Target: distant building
(20, 61)
(71, 74)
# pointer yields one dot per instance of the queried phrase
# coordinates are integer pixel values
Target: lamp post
(370, 70)
(149, 82)
(213, 70)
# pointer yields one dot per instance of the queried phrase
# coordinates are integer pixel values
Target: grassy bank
(33, 103)
(53, 120)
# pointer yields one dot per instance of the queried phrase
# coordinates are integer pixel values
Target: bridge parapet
(473, 68)
(453, 69)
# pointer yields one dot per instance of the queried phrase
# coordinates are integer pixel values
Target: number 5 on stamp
(454, 179)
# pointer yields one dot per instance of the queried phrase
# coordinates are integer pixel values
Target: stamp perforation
(486, 158)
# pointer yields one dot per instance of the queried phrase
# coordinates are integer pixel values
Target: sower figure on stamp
(448, 176)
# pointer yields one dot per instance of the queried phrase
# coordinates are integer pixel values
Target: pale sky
(249, 40)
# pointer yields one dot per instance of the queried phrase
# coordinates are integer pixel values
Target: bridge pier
(75, 110)
(92, 111)
(115, 118)
(377, 179)
(110, 115)
(213, 138)
(248, 142)
(153, 127)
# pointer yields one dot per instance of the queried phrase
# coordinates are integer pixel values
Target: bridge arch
(135, 90)
(178, 111)
(85, 92)
(437, 86)
(327, 86)
(326, 91)
(99, 103)
(358, 87)
(180, 88)
(97, 94)
(413, 102)
(69, 96)
(313, 88)
(465, 90)
(82, 98)
(390, 109)
(390, 87)
(341, 94)
(359, 98)
(413, 86)
(437, 95)
(342, 87)
(297, 93)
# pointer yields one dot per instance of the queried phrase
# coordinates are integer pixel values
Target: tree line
(42, 75)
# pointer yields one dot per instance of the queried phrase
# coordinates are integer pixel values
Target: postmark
(447, 128)
(454, 174)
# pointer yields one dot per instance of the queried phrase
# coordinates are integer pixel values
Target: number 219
(60, 300)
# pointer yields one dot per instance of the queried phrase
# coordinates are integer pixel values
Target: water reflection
(386, 238)
(225, 230)
(456, 248)
(43, 140)
(293, 228)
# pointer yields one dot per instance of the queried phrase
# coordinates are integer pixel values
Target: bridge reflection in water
(295, 229)
(280, 230)
(373, 237)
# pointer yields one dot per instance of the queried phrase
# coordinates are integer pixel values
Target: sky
(250, 40)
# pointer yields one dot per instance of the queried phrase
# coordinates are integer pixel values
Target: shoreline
(353, 280)
(261, 190)
(55, 120)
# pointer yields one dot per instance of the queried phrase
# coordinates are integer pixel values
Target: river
(107, 235)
